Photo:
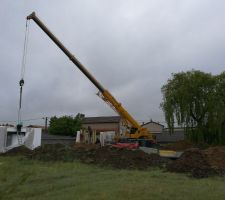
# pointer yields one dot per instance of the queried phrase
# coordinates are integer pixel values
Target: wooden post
(46, 124)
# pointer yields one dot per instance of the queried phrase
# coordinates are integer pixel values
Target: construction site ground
(195, 162)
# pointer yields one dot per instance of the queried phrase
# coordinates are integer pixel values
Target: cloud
(131, 47)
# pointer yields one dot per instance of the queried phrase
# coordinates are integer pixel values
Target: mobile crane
(134, 130)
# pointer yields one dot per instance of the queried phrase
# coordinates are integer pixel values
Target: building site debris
(170, 153)
(126, 145)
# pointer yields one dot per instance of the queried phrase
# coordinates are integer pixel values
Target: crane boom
(65, 50)
(136, 131)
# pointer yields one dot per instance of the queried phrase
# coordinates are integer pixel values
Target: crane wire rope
(23, 66)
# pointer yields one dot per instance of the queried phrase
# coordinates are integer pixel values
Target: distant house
(103, 124)
(162, 134)
(154, 127)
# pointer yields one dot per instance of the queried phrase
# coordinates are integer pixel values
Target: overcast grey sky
(131, 47)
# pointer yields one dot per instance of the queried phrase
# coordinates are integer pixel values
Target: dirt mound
(216, 157)
(120, 158)
(180, 145)
(53, 152)
(102, 156)
(200, 163)
(21, 150)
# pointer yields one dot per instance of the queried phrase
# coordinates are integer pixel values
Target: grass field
(25, 179)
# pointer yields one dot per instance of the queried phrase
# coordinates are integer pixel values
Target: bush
(66, 125)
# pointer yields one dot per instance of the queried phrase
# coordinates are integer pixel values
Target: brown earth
(183, 145)
(22, 150)
(196, 162)
(180, 145)
(93, 154)
(215, 156)
(200, 163)
(119, 158)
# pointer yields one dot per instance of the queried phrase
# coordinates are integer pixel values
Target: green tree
(196, 101)
(66, 125)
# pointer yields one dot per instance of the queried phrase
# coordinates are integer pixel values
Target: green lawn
(25, 179)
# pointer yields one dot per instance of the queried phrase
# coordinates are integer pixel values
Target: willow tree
(219, 111)
(196, 101)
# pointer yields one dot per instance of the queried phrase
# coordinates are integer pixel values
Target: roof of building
(103, 119)
(36, 126)
(152, 122)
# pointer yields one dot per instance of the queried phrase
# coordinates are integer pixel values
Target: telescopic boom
(136, 131)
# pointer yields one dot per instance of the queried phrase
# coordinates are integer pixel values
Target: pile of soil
(200, 163)
(180, 145)
(93, 154)
(119, 158)
(17, 151)
(53, 152)
(215, 156)
(196, 162)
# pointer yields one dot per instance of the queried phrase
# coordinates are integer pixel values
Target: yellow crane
(134, 129)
